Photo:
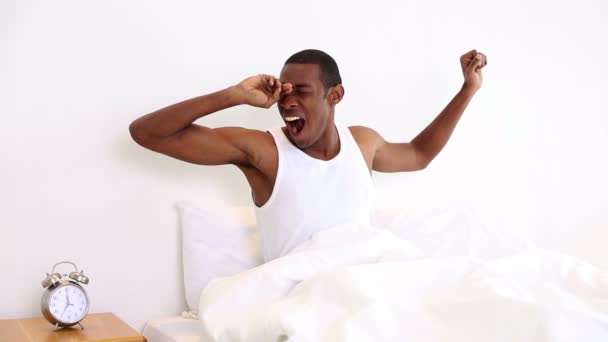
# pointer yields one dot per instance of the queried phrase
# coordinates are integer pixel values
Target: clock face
(68, 303)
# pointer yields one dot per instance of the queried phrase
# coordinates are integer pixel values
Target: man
(310, 174)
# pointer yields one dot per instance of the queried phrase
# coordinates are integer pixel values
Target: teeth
(291, 118)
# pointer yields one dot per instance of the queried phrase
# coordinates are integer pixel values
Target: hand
(471, 63)
(263, 90)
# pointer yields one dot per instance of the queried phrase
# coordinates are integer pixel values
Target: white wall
(529, 154)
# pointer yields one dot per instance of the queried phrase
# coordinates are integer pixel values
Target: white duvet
(354, 283)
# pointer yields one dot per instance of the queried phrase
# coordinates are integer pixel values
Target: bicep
(206, 146)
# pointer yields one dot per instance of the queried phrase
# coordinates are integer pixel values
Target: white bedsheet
(173, 329)
(354, 283)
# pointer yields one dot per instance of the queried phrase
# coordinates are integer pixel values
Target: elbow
(134, 131)
(422, 160)
(423, 165)
(137, 133)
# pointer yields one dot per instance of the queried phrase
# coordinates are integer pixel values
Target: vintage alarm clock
(65, 302)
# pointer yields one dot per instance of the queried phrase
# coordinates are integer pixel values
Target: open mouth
(295, 124)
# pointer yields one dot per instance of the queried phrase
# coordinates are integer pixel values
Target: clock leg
(81, 326)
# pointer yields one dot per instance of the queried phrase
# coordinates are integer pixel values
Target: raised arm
(418, 154)
(171, 130)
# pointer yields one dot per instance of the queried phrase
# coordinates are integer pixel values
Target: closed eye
(303, 90)
(302, 87)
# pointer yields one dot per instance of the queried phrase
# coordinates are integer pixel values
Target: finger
(276, 92)
(268, 83)
(475, 63)
(287, 88)
(468, 56)
(472, 56)
(270, 80)
(484, 60)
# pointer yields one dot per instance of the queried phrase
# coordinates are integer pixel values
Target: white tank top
(311, 195)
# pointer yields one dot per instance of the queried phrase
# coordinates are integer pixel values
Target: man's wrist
(235, 96)
(467, 90)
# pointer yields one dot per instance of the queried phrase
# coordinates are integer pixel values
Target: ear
(336, 94)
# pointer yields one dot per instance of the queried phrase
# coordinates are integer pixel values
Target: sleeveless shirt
(311, 195)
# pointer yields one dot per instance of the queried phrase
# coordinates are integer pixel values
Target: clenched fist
(263, 90)
(471, 63)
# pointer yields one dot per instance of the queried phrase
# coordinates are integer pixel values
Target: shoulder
(362, 131)
(366, 136)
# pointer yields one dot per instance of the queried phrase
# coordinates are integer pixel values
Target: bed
(173, 329)
(440, 276)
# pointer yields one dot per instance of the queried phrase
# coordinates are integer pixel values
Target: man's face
(306, 110)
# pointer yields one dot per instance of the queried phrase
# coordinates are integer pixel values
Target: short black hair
(330, 75)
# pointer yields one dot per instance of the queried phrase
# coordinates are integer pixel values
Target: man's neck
(328, 145)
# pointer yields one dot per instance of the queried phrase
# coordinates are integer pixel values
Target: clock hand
(66, 296)
(66, 307)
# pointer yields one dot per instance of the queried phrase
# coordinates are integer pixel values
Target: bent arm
(171, 131)
(435, 136)
(170, 120)
(418, 154)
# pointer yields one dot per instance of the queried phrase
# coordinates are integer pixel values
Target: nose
(288, 101)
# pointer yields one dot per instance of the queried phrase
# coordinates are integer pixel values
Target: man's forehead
(300, 74)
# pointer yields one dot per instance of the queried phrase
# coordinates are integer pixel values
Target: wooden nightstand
(98, 327)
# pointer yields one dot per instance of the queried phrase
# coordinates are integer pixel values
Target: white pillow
(216, 242)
